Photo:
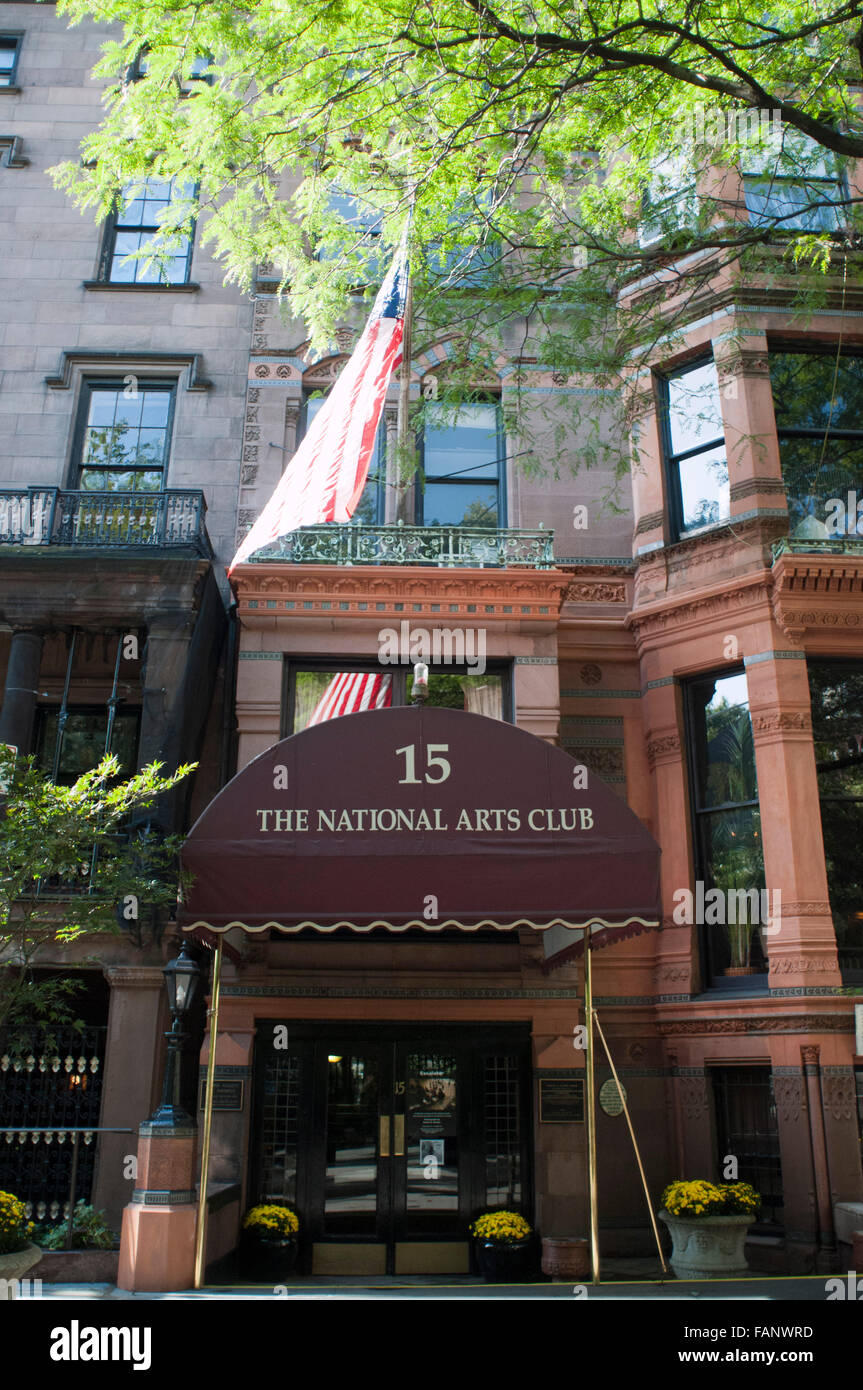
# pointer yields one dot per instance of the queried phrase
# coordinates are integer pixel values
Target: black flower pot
(504, 1262)
(267, 1259)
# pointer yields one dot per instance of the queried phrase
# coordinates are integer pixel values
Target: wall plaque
(561, 1101)
(609, 1097)
(227, 1095)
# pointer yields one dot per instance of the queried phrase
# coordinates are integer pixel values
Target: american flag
(326, 476)
(351, 692)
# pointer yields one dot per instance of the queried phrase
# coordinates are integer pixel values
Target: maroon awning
(411, 817)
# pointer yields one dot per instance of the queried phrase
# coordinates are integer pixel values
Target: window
(727, 821)
(124, 438)
(357, 238)
(669, 204)
(10, 47)
(136, 224)
(746, 1127)
(200, 64)
(463, 458)
(695, 453)
(836, 690)
(795, 183)
(370, 508)
(468, 256)
(818, 404)
(320, 692)
(84, 736)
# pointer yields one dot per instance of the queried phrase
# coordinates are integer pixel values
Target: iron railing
(105, 520)
(816, 545)
(447, 547)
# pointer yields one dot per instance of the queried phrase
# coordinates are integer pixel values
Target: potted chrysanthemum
(502, 1241)
(708, 1224)
(268, 1248)
(18, 1254)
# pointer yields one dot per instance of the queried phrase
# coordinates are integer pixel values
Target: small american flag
(351, 692)
(326, 476)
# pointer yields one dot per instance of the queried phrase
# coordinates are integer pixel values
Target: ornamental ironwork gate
(51, 1082)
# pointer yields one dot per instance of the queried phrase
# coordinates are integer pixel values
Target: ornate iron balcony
(105, 520)
(447, 547)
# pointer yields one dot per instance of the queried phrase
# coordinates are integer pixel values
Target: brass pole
(213, 1016)
(635, 1146)
(591, 1113)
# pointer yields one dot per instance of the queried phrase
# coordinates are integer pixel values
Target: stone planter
(708, 1247)
(565, 1257)
(17, 1266)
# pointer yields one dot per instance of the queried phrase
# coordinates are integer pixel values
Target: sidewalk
(807, 1288)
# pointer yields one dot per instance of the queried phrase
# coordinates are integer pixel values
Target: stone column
(19, 698)
(132, 1056)
(826, 1238)
(802, 952)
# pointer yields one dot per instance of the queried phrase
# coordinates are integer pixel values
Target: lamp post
(182, 977)
(420, 691)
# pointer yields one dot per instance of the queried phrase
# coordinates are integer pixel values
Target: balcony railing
(105, 520)
(448, 547)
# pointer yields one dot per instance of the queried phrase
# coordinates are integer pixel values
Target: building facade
(700, 652)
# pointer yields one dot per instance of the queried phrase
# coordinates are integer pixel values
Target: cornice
(821, 592)
(407, 593)
(745, 592)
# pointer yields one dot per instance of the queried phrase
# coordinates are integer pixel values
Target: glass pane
(724, 745)
(694, 414)
(705, 497)
(323, 695)
(837, 720)
(803, 388)
(794, 206)
(84, 742)
(814, 475)
(350, 1197)
(476, 694)
(432, 1138)
(466, 446)
(731, 860)
(103, 406)
(502, 1132)
(458, 504)
(280, 1129)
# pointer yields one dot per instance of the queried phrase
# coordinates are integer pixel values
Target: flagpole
(591, 1111)
(404, 397)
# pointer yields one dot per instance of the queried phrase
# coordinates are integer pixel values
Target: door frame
(394, 1041)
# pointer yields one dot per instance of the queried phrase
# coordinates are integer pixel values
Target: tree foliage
(547, 152)
(70, 867)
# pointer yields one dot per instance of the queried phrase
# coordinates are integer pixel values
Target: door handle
(384, 1136)
(400, 1136)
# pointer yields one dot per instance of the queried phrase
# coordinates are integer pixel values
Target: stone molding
(450, 598)
(650, 521)
(819, 592)
(134, 977)
(748, 487)
(128, 362)
(774, 1023)
(750, 593)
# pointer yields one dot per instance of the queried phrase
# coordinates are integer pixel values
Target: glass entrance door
(390, 1141)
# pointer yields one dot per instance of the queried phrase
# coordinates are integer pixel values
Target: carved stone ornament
(782, 722)
(590, 673)
(774, 1023)
(840, 1096)
(694, 1097)
(253, 394)
(810, 1054)
(790, 1093)
(665, 746)
(591, 591)
(802, 965)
